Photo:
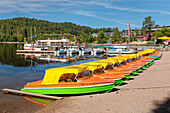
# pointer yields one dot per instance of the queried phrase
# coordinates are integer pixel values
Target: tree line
(19, 29)
(16, 29)
(147, 26)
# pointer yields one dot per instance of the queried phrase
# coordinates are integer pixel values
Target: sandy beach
(149, 92)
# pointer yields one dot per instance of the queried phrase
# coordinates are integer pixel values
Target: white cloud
(110, 5)
(92, 14)
(78, 7)
(39, 5)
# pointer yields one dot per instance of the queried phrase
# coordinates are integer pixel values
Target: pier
(34, 51)
(31, 94)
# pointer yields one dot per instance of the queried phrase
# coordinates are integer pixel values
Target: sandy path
(147, 93)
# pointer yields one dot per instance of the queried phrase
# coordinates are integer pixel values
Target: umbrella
(166, 41)
(163, 38)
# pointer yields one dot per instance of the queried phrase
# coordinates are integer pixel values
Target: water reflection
(8, 56)
(18, 69)
(42, 102)
(39, 101)
(36, 60)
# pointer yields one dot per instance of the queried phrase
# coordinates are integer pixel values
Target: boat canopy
(104, 63)
(130, 56)
(120, 60)
(53, 75)
(109, 60)
(92, 66)
(147, 51)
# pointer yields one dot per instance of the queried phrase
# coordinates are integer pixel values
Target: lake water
(17, 70)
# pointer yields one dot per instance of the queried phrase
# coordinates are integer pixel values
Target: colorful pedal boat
(60, 81)
(119, 78)
(53, 80)
(154, 57)
(94, 66)
(141, 62)
(126, 73)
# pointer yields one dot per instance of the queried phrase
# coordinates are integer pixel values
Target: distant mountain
(16, 29)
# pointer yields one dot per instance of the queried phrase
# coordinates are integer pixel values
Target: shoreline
(149, 92)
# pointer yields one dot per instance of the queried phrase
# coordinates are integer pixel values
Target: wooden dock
(31, 94)
(35, 54)
(34, 51)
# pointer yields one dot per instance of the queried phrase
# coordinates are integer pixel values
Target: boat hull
(71, 90)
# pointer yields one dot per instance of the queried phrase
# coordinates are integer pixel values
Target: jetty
(34, 51)
(31, 94)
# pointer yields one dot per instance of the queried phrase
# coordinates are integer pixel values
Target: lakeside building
(140, 37)
(124, 34)
(159, 28)
(146, 37)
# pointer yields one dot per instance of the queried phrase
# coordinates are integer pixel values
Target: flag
(31, 31)
(129, 32)
(75, 38)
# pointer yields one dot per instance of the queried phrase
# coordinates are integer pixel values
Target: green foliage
(124, 40)
(153, 39)
(116, 38)
(157, 25)
(147, 24)
(136, 31)
(102, 39)
(133, 36)
(163, 32)
(16, 29)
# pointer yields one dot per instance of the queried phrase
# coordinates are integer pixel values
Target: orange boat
(74, 79)
(156, 55)
(98, 71)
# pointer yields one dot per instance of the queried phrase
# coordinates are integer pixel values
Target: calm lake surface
(17, 70)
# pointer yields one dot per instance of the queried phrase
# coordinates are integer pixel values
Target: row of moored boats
(91, 77)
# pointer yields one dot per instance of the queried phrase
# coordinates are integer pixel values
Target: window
(83, 75)
(98, 71)
(67, 77)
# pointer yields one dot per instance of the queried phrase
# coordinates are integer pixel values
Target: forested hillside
(16, 29)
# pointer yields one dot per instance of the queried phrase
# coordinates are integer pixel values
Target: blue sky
(93, 13)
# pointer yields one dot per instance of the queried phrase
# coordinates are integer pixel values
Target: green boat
(74, 79)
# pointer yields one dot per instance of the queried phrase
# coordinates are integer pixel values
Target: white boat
(61, 51)
(121, 51)
(31, 47)
(72, 51)
(97, 51)
(28, 46)
(82, 52)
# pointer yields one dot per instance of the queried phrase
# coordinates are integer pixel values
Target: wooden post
(31, 94)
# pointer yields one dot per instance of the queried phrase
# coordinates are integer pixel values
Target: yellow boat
(74, 79)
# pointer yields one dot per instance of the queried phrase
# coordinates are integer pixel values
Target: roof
(92, 66)
(109, 60)
(141, 36)
(53, 75)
